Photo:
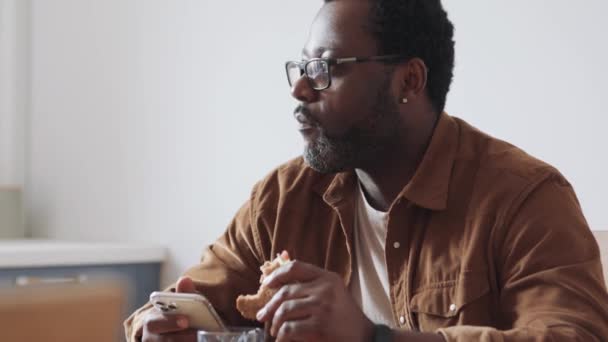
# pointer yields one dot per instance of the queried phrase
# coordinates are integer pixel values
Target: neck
(385, 179)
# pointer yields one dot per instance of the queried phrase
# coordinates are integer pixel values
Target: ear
(412, 76)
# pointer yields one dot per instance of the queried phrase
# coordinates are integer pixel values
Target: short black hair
(417, 28)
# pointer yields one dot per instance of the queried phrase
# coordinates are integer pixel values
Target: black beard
(359, 146)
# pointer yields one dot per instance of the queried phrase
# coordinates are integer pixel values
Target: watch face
(382, 333)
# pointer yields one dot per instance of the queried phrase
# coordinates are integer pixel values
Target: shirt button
(453, 307)
(396, 245)
(402, 320)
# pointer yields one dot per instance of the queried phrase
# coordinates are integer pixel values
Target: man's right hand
(159, 327)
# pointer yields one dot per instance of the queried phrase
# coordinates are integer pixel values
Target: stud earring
(404, 100)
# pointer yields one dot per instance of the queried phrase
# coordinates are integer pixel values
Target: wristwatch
(382, 333)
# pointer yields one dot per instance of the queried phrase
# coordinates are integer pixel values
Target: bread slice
(249, 305)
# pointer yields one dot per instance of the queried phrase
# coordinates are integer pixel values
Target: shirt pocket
(465, 301)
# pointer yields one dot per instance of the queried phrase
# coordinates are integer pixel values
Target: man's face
(356, 120)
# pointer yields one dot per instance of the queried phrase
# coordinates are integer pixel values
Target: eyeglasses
(317, 70)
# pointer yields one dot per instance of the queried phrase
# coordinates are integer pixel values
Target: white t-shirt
(369, 284)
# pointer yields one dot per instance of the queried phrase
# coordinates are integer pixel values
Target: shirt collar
(429, 186)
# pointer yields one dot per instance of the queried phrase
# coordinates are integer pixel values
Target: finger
(284, 255)
(292, 310)
(185, 285)
(302, 330)
(294, 271)
(287, 292)
(157, 323)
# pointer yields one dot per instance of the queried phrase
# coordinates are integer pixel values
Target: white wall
(534, 73)
(151, 120)
(13, 90)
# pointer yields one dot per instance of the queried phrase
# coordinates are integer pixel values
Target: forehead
(341, 26)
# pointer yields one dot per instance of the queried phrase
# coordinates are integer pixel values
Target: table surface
(45, 253)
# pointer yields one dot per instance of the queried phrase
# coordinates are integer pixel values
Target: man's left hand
(312, 304)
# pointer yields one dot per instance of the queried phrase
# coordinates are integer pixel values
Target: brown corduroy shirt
(493, 245)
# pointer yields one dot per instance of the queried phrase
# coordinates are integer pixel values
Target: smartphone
(196, 307)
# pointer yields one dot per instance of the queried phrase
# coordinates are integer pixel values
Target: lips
(303, 117)
(307, 126)
(304, 127)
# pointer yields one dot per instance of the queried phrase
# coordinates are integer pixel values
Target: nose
(302, 91)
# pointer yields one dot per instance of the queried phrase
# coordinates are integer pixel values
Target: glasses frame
(331, 62)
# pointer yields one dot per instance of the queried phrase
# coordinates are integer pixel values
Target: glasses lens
(294, 72)
(318, 72)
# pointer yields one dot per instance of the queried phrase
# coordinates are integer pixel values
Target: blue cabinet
(140, 279)
(138, 267)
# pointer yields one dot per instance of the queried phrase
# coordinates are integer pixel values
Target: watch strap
(382, 333)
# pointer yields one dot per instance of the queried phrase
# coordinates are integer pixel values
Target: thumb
(185, 285)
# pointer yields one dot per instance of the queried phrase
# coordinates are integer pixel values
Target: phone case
(197, 308)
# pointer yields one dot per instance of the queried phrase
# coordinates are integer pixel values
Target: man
(406, 224)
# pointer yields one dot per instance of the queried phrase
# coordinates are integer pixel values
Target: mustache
(304, 116)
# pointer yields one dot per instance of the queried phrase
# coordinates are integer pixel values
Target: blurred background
(132, 130)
